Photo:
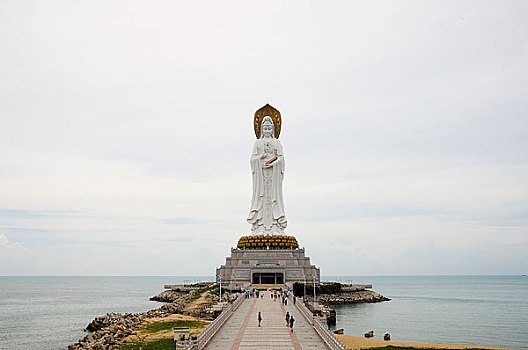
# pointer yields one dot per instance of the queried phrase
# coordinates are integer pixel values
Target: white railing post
(319, 324)
(203, 339)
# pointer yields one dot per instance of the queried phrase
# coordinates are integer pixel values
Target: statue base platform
(266, 267)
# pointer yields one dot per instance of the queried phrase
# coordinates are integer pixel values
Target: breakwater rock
(168, 296)
(108, 331)
(362, 296)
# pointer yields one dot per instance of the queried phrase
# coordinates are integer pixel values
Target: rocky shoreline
(361, 296)
(109, 331)
(168, 296)
(324, 301)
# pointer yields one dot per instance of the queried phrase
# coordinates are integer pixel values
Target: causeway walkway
(241, 330)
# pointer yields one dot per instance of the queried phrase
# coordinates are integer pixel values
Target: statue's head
(267, 127)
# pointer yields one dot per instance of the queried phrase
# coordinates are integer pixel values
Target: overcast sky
(126, 129)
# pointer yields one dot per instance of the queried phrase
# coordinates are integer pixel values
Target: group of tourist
(283, 296)
(254, 293)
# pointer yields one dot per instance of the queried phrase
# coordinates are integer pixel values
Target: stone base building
(266, 260)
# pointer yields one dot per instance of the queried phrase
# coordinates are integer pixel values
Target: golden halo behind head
(273, 113)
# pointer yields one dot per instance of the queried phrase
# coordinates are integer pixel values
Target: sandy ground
(356, 343)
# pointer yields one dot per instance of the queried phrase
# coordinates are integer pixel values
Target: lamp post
(304, 294)
(315, 300)
(220, 288)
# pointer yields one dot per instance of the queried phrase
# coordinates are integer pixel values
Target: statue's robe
(259, 215)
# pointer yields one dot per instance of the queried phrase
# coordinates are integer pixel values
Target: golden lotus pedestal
(267, 242)
(266, 260)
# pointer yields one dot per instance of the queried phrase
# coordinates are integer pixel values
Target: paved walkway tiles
(241, 330)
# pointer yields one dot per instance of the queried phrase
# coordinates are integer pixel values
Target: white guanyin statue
(266, 215)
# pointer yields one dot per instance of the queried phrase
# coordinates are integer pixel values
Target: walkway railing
(319, 324)
(203, 339)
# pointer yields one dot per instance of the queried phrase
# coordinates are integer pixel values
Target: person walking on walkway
(287, 318)
(292, 320)
(259, 318)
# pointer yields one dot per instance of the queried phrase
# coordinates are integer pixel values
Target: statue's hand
(264, 156)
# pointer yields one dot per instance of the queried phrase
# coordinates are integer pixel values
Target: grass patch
(199, 293)
(213, 290)
(216, 290)
(159, 344)
(154, 327)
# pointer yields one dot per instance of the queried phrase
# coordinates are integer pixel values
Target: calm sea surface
(484, 310)
(51, 312)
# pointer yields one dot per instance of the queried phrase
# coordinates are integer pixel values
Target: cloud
(10, 251)
(182, 239)
(404, 127)
(31, 214)
(14, 258)
(183, 221)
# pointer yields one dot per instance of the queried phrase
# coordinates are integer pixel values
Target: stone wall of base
(245, 267)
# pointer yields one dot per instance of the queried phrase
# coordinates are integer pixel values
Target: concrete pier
(241, 331)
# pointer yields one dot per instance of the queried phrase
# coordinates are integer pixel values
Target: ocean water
(483, 310)
(51, 312)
